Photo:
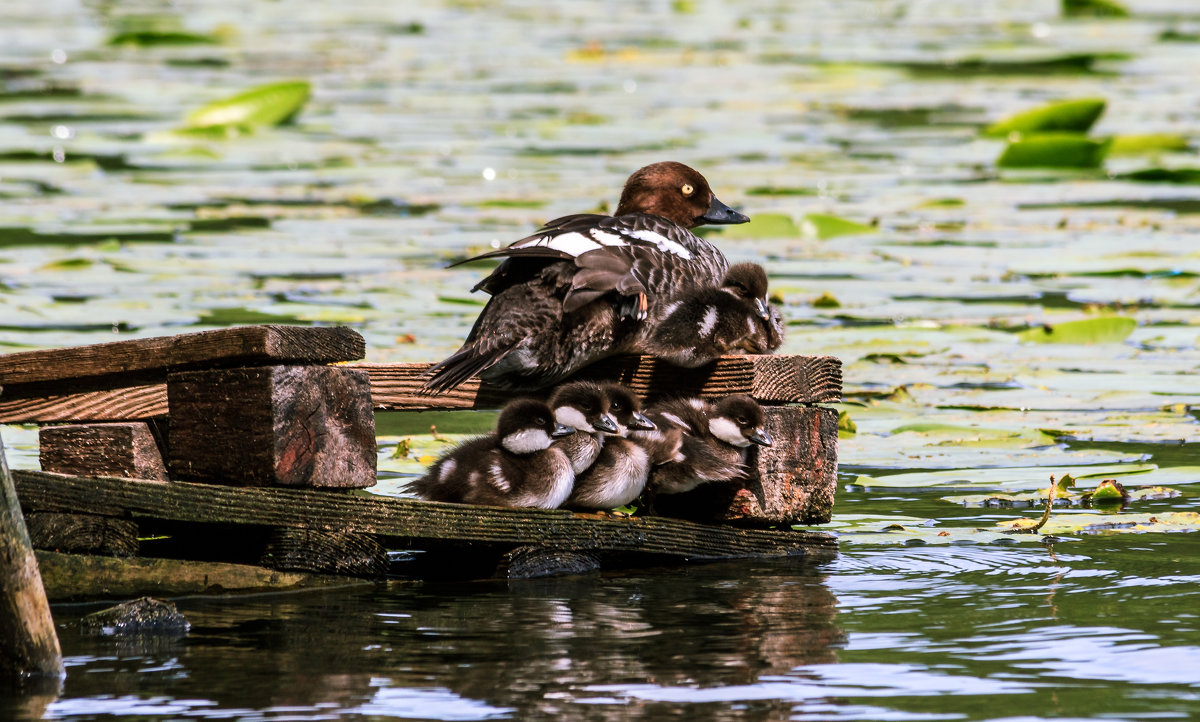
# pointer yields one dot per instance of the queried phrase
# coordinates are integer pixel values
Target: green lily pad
(1110, 329)
(264, 106)
(1094, 9)
(1163, 175)
(154, 38)
(822, 226)
(764, 225)
(1077, 116)
(1054, 150)
(1148, 143)
(1092, 523)
(845, 423)
(1023, 477)
(1072, 497)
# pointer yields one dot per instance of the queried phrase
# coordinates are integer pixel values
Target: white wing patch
(577, 243)
(666, 245)
(709, 321)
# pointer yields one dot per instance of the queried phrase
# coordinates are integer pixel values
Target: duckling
(619, 473)
(517, 466)
(579, 289)
(715, 440)
(704, 323)
(584, 406)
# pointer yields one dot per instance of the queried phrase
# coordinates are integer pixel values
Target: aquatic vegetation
(1075, 116)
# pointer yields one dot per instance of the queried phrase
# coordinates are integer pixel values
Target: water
(436, 130)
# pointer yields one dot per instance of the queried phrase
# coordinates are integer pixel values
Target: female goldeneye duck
(576, 291)
(704, 323)
(619, 474)
(517, 466)
(715, 441)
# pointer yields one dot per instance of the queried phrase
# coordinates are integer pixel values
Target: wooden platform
(247, 411)
(479, 537)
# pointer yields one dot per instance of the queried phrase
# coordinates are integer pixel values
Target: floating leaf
(1025, 477)
(1147, 143)
(260, 107)
(826, 300)
(1094, 9)
(819, 225)
(1088, 523)
(1110, 491)
(1054, 150)
(779, 191)
(845, 423)
(1073, 497)
(1110, 329)
(1163, 175)
(764, 225)
(943, 203)
(1077, 115)
(152, 38)
(68, 264)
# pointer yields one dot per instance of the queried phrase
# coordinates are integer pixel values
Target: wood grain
(125, 448)
(309, 426)
(396, 387)
(239, 346)
(74, 576)
(769, 378)
(407, 523)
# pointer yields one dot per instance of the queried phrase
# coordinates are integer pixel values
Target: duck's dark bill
(719, 213)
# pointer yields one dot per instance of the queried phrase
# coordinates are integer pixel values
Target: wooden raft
(253, 409)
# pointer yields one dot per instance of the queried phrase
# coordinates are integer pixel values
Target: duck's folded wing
(610, 254)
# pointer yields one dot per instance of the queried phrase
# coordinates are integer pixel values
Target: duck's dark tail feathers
(458, 367)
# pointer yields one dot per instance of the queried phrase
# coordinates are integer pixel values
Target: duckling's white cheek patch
(527, 441)
(727, 431)
(573, 417)
(666, 245)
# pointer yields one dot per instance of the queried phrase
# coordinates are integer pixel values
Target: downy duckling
(585, 407)
(517, 466)
(711, 321)
(619, 474)
(715, 440)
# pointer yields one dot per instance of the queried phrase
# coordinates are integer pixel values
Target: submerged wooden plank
(75, 576)
(407, 521)
(244, 345)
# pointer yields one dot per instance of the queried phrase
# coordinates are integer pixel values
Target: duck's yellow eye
(687, 189)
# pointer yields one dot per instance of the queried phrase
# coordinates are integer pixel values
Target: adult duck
(579, 289)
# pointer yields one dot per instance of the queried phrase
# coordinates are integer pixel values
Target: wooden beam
(28, 642)
(307, 426)
(396, 387)
(76, 576)
(408, 522)
(768, 378)
(239, 346)
(119, 449)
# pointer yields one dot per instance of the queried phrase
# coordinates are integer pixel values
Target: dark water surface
(438, 129)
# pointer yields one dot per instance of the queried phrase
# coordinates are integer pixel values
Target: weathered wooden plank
(118, 449)
(769, 378)
(239, 346)
(74, 576)
(793, 481)
(82, 533)
(309, 426)
(325, 552)
(396, 386)
(28, 643)
(35, 403)
(408, 522)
